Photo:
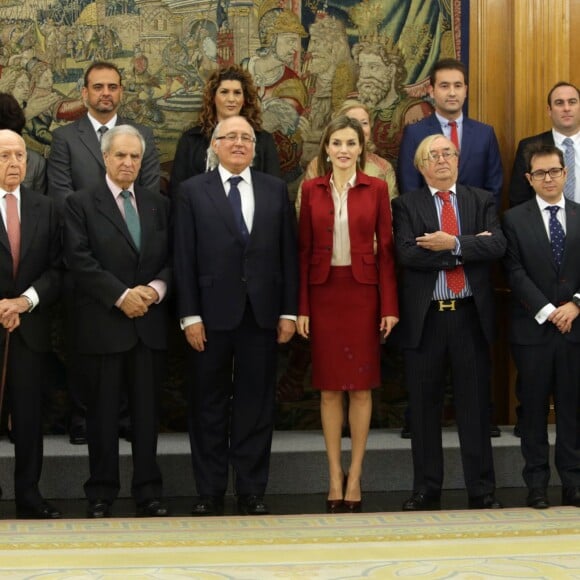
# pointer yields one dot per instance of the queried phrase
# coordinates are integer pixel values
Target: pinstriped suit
(431, 338)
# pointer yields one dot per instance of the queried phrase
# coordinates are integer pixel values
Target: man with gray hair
(236, 271)
(117, 251)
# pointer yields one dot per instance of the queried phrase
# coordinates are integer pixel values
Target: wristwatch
(576, 300)
(30, 303)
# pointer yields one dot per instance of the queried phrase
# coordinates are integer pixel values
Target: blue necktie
(236, 203)
(570, 160)
(131, 218)
(557, 235)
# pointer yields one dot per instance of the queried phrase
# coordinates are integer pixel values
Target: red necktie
(454, 134)
(13, 229)
(455, 277)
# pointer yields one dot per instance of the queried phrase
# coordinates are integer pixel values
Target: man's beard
(371, 91)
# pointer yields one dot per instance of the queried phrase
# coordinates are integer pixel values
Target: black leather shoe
(208, 505)
(485, 502)
(420, 501)
(152, 509)
(538, 498)
(78, 435)
(406, 431)
(126, 433)
(517, 432)
(571, 496)
(494, 430)
(252, 505)
(44, 511)
(99, 509)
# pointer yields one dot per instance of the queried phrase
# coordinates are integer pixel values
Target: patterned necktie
(236, 203)
(131, 218)
(557, 235)
(570, 161)
(456, 277)
(13, 229)
(102, 130)
(454, 134)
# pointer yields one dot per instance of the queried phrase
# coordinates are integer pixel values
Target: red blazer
(369, 215)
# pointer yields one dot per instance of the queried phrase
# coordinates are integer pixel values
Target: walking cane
(4, 367)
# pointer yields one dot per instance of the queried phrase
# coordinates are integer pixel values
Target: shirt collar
(452, 189)
(15, 193)
(350, 183)
(542, 204)
(97, 124)
(246, 174)
(116, 190)
(444, 122)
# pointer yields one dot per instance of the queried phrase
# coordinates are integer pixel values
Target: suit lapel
(428, 211)
(572, 242)
(467, 139)
(106, 205)
(216, 193)
(28, 220)
(89, 138)
(538, 228)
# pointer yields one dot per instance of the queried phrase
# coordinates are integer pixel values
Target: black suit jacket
(39, 266)
(534, 277)
(520, 188)
(76, 161)
(104, 262)
(216, 273)
(414, 214)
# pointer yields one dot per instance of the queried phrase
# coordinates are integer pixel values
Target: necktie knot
(553, 209)
(125, 194)
(452, 124)
(102, 130)
(568, 142)
(445, 196)
(234, 180)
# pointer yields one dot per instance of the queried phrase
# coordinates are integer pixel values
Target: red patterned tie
(455, 277)
(13, 229)
(454, 135)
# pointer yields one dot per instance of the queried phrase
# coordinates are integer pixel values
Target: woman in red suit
(348, 294)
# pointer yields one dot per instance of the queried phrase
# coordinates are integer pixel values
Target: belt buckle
(446, 305)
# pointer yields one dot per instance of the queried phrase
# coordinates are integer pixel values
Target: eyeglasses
(435, 156)
(540, 174)
(234, 137)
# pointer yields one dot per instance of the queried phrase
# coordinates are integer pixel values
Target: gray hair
(212, 160)
(109, 136)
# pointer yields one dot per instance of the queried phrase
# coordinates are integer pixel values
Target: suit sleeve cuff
(188, 321)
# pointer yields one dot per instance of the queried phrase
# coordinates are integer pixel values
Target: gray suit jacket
(76, 161)
(414, 214)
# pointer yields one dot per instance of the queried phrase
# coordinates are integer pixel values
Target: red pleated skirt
(344, 333)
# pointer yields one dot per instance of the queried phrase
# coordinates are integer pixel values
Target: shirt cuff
(543, 313)
(32, 295)
(457, 250)
(188, 321)
(289, 317)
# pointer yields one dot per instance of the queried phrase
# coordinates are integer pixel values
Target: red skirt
(344, 333)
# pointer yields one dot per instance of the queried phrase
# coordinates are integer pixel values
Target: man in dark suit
(447, 235)
(543, 269)
(30, 282)
(117, 250)
(479, 160)
(564, 112)
(237, 279)
(75, 163)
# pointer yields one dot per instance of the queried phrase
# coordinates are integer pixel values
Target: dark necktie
(236, 203)
(13, 229)
(131, 218)
(454, 134)
(557, 235)
(456, 277)
(102, 130)
(570, 161)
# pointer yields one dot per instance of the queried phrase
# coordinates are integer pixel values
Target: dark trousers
(456, 339)
(140, 370)
(25, 380)
(231, 408)
(552, 368)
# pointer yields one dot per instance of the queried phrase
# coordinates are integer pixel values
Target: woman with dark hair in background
(348, 295)
(228, 92)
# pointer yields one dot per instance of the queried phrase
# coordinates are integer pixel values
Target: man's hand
(10, 311)
(11, 322)
(387, 324)
(564, 316)
(436, 242)
(195, 336)
(148, 293)
(286, 330)
(303, 326)
(134, 305)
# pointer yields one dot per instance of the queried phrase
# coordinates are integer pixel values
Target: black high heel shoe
(334, 506)
(350, 506)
